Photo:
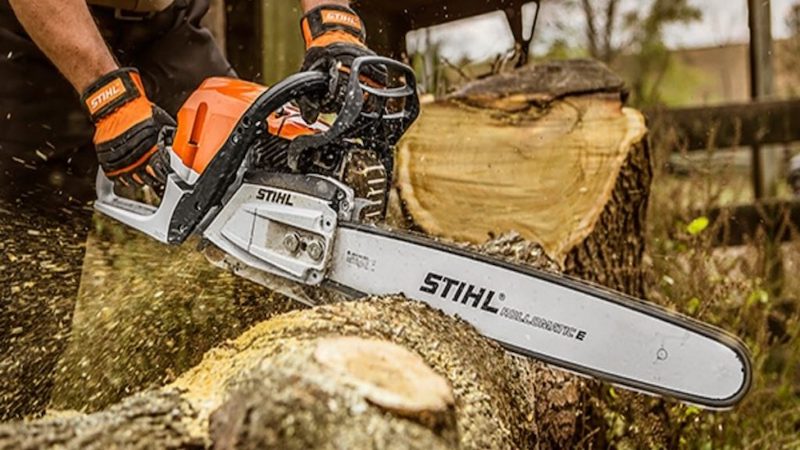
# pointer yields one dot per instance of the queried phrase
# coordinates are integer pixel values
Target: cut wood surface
(389, 376)
(537, 151)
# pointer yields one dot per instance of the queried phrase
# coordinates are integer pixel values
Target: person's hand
(127, 126)
(334, 37)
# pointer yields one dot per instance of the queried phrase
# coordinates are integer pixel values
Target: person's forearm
(65, 31)
(308, 5)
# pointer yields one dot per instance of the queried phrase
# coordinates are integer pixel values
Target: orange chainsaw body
(210, 115)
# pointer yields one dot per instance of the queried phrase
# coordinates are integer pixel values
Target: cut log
(547, 151)
(491, 402)
(325, 378)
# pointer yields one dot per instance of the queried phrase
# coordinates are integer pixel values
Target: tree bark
(152, 420)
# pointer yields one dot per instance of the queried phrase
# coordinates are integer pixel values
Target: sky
(724, 22)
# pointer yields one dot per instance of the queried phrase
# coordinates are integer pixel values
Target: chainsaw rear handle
(377, 126)
(185, 204)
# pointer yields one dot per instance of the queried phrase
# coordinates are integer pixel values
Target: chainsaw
(299, 207)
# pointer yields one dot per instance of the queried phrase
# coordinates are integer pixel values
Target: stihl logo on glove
(341, 18)
(106, 95)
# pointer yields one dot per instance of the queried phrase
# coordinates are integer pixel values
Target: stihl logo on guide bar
(460, 291)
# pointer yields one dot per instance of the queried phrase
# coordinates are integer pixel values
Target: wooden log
(484, 381)
(547, 151)
(340, 385)
(381, 373)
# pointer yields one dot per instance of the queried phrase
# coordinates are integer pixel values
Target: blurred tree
(639, 34)
(791, 58)
(794, 23)
(601, 24)
(430, 65)
(627, 35)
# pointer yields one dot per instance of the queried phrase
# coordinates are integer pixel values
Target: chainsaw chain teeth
(364, 172)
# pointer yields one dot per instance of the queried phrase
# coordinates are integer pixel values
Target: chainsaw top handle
(375, 116)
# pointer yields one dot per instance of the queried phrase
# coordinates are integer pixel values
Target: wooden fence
(755, 124)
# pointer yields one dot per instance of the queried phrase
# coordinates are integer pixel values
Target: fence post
(764, 163)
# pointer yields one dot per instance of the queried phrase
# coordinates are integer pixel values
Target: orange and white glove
(334, 37)
(127, 126)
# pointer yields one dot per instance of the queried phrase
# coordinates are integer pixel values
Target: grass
(730, 288)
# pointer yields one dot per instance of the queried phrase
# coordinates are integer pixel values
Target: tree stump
(548, 151)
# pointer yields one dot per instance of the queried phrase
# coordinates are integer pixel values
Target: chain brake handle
(379, 129)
